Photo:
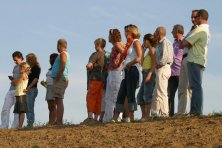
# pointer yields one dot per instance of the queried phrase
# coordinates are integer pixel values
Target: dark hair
(53, 57)
(195, 10)
(101, 42)
(18, 54)
(115, 35)
(151, 38)
(203, 13)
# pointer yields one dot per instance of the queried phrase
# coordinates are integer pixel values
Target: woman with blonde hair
(32, 90)
(133, 74)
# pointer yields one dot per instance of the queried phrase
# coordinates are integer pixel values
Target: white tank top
(20, 88)
(131, 55)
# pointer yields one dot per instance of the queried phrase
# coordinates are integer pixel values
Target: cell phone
(10, 77)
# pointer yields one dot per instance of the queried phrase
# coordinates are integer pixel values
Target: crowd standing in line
(158, 72)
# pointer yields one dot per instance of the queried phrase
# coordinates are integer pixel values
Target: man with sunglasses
(197, 42)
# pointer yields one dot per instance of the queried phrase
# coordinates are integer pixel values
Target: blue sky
(35, 26)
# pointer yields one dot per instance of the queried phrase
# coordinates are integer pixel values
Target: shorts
(59, 87)
(145, 93)
(49, 95)
(20, 105)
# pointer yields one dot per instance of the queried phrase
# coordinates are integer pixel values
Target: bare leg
(21, 119)
(147, 110)
(90, 115)
(60, 110)
(143, 110)
(52, 111)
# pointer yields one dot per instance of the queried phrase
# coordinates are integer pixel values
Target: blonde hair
(62, 43)
(101, 42)
(134, 30)
(26, 67)
(32, 60)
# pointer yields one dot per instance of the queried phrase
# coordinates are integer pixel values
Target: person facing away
(144, 96)
(49, 98)
(10, 96)
(60, 73)
(114, 73)
(163, 71)
(184, 91)
(95, 69)
(20, 94)
(197, 42)
(32, 90)
(173, 82)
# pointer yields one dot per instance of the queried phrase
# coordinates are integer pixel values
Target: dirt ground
(171, 132)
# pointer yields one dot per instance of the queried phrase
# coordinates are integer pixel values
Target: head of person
(202, 17)
(177, 31)
(149, 40)
(160, 33)
(32, 60)
(52, 58)
(193, 17)
(114, 36)
(131, 32)
(17, 57)
(24, 68)
(100, 44)
(61, 45)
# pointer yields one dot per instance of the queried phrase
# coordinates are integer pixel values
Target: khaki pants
(184, 91)
(160, 104)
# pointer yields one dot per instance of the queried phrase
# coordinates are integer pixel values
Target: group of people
(113, 78)
(23, 90)
(158, 73)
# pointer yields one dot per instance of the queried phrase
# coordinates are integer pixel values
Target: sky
(35, 27)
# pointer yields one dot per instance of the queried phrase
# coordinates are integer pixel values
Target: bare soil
(170, 132)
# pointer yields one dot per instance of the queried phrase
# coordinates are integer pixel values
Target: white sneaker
(126, 120)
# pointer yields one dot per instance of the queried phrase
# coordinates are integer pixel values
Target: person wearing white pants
(114, 74)
(10, 96)
(164, 57)
(112, 88)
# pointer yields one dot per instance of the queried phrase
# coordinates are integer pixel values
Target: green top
(198, 38)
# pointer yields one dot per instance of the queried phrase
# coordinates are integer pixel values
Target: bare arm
(34, 81)
(63, 59)
(16, 82)
(185, 44)
(139, 53)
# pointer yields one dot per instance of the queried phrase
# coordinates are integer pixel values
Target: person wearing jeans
(197, 42)
(32, 90)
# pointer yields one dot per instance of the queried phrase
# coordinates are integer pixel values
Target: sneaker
(126, 120)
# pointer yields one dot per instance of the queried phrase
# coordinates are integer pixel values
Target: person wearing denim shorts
(144, 96)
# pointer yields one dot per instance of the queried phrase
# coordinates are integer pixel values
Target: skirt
(20, 104)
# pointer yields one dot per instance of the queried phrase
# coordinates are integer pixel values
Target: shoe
(143, 120)
(126, 120)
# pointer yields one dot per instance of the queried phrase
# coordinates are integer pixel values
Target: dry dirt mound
(175, 132)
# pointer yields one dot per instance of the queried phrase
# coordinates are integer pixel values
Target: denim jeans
(30, 100)
(195, 73)
(145, 93)
(128, 88)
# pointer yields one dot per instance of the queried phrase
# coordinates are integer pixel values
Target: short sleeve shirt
(199, 39)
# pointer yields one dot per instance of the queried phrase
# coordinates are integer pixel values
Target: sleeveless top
(56, 65)
(20, 88)
(131, 55)
(147, 62)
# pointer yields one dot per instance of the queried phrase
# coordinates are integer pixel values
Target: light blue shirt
(56, 66)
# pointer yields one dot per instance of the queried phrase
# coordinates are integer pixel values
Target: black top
(35, 72)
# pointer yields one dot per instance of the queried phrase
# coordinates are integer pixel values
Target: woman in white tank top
(133, 74)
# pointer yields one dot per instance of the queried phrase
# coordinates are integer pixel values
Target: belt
(159, 66)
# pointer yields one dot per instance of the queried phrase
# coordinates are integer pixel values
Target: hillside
(172, 132)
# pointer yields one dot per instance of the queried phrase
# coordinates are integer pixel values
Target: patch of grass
(215, 114)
